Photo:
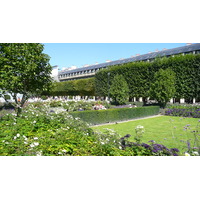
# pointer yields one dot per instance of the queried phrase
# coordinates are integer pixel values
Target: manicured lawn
(165, 130)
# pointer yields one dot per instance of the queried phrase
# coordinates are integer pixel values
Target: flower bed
(184, 111)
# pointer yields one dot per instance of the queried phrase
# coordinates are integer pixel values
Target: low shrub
(114, 115)
(187, 110)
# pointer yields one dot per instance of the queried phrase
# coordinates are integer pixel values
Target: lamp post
(109, 86)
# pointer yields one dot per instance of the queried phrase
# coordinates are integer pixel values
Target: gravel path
(127, 120)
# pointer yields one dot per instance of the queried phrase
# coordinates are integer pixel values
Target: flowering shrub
(139, 131)
(184, 110)
(41, 132)
(99, 107)
(143, 149)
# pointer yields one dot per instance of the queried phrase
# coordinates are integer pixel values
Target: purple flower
(188, 144)
(151, 141)
(145, 145)
(127, 136)
(174, 149)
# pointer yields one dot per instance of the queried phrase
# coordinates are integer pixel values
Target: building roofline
(147, 56)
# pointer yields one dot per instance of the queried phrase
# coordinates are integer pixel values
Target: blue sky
(79, 54)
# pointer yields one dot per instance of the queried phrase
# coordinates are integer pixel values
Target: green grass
(164, 130)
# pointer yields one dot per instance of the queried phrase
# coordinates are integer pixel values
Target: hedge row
(94, 117)
(140, 75)
(82, 87)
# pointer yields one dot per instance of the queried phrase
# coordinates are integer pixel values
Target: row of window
(95, 70)
(79, 73)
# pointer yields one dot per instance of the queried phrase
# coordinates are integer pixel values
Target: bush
(43, 97)
(7, 97)
(113, 115)
(40, 132)
(163, 86)
(119, 90)
(55, 103)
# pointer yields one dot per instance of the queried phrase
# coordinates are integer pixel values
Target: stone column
(194, 100)
(171, 100)
(140, 99)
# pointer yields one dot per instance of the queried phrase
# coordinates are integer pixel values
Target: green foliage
(82, 87)
(119, 90)
(137, 75)
(24, 69)
(140, 75)
(163, 86)
(7, 97)
(113, 115)
(38, 132)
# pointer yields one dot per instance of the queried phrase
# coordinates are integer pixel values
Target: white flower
(102, 143)
(36, 143)
(187, 154)
(39, 153)
(25, 138)
(32, 145)
(34, 121)
(35, 138)
(195, 153)
(33, 113)
(18, 134)
(14, 123)
(64, 151)
(25, 142)
(139, 127)
(120, 147)
(15, 137)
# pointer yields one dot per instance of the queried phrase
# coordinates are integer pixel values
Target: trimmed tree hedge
(82, 87)
(113, 115)
(139, 76)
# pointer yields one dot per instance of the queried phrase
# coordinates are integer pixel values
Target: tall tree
(24, 69)
(119, 90)
(163, 87)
